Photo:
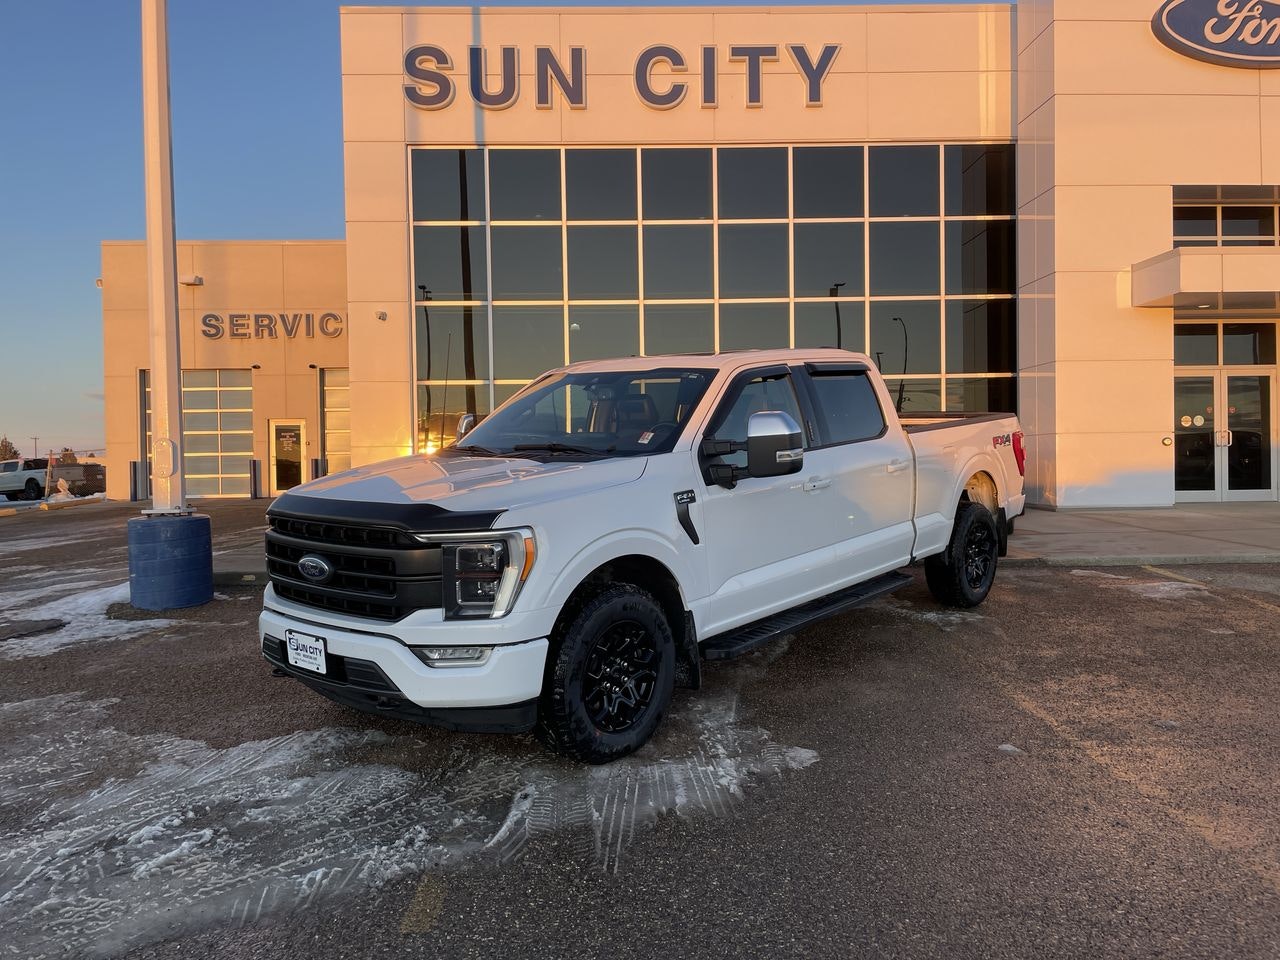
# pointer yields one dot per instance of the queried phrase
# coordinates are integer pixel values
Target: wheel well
(980, 488)
(653, 577)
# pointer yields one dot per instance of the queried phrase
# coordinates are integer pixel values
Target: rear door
(770, 541)
(867, 461)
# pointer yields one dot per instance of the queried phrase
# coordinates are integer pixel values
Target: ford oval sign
(1233, 33)
(316, 569)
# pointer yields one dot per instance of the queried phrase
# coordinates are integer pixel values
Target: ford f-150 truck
(578, 553)
(23, 479)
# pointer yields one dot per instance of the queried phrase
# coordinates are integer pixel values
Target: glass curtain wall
(527, 259)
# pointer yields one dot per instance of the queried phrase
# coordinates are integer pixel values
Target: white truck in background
(563, 565)
(24, 478)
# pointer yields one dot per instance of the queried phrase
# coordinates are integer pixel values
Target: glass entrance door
(1224, 435)
(288, 446)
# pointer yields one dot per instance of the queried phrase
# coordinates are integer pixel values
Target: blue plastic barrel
(170, 561)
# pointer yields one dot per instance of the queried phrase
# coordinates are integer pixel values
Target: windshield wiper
(556, 447)
(476, 450)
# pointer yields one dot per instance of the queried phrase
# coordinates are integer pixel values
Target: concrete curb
(8, 512)
(63, 504)
(1140, 561)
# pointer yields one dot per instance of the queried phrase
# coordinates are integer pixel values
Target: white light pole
(170, 546)
(169, 494)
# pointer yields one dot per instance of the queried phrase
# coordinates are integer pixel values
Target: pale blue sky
(257, 147)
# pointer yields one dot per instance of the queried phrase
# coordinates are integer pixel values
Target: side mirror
(465, 423)
(775, 446)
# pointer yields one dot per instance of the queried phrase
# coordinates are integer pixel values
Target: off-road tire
(32, 490)
(962, 575)
(565, 724)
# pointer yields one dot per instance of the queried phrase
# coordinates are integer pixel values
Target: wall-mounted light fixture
(311, 366)
(255, 366)
(381, 315)
(98, 283)
(191, 280)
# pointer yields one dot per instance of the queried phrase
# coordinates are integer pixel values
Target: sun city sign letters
(270, 326)
(658, 75)
(1233, 33)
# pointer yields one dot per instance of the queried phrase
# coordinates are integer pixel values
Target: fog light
(452, 656)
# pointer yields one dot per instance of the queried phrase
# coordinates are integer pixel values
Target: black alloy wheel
(32, 490)
(980, 548)
(610, 674)
(962, 574)
(621, 676)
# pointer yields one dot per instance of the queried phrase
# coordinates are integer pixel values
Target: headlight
(482, 577)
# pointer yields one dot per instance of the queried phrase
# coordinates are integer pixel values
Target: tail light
(1020, 454)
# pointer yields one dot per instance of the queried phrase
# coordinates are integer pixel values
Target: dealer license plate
(304, 650)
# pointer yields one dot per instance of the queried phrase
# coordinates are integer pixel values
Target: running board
(743, 640)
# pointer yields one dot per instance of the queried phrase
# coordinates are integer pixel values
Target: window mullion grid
(564, 256)
(643, 350)
(715, 249)
(488, 269)
(942, 280)
(866, 251)
(791, 248)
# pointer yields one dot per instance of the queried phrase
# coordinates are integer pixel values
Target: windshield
(9, 466)
(618, 413)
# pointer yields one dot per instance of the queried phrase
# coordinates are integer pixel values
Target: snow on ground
(83, 615)
(182, 836)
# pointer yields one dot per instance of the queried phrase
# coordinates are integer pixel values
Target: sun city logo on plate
(657, 74)
(1233, 33)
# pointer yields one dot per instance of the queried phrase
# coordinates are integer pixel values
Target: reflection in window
(848, 406)
(677, 184)
(834, 323)
(827, 254)
(753, 325)
(602, 263)
(449, 263)
(602, 333)
(526, 263)
(993, 395)
(903, 181)
(1195, 344)
(677, 262)
(980, 336)
(753, 183)
(904, 259)
(1195, 221)
(914, 397)
(980, 256)
(827, 182)
(753, 260)
(906, 336)
(448, 184)
(679, 328)
(452, 342)
(600, 184)
(524, 184)
(1258, 224)
(527, 341)
(439, 407)
(1244, 343)
(978, 179)
(335, 413)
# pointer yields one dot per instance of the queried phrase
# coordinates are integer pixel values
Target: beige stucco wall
(290, 276)
(1109, 119)
(903, 73)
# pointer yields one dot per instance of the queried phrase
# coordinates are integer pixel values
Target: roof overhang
(1191, 276)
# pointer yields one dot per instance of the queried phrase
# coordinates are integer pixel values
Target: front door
(288, 454)
(1224, 434)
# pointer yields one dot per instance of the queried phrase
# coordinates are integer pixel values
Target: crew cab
(565, 563)
(23, 478)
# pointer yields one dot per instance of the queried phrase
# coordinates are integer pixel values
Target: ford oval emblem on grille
(316, 569)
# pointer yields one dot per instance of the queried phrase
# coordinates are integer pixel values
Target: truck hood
(463, 484)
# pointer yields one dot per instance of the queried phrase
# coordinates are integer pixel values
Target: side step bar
(743, 640)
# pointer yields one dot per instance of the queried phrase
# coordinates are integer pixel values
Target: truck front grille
(378, 573)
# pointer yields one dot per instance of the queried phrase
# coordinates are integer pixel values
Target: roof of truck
(733, 359)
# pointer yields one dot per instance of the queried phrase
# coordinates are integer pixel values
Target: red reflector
(1020, 454)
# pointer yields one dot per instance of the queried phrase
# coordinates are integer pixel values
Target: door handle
(1231, 437)
(815, 483)
(896, 465)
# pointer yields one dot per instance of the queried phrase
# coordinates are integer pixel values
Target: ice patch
(1097, 573)
(945, 619)
(85, 619)
(1168, 590)
(181, 836)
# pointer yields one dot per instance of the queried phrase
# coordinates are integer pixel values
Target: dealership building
(1068, 209)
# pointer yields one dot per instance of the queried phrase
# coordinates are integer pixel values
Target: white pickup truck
(568, 561)
(23, 479)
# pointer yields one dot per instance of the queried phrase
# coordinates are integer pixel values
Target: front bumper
(379, 674)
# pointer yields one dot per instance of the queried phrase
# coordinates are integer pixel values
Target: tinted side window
(847, 407)
(770, 392)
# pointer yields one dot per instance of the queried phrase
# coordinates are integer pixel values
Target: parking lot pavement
(1085, 766)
